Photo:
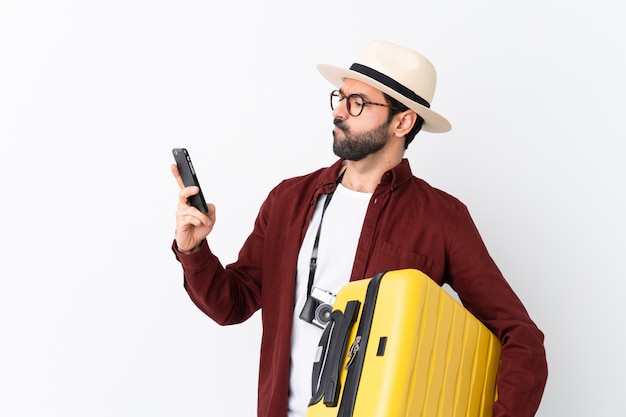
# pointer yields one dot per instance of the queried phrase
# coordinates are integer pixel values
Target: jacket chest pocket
(387, 256)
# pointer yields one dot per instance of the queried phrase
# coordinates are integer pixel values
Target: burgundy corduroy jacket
(409, 224)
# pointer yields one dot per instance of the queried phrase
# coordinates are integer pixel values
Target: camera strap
(313, 263)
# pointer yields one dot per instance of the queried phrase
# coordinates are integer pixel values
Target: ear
(405, 122)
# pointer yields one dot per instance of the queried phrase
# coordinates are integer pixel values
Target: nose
(341, 109)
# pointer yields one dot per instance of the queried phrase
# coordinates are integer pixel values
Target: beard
(354, 147)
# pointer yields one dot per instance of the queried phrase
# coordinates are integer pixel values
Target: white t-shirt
(339, 237)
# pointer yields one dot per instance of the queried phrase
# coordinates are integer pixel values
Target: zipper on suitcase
(357, 350)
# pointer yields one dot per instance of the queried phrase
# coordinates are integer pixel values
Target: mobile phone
(188, 173)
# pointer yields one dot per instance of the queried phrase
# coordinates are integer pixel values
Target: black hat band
(389, 82)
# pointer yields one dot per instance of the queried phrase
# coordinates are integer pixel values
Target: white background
(94, 94)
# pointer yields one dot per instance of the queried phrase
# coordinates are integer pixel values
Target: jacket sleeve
(484, 291)
(228, 294)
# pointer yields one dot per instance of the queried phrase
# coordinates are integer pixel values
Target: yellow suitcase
(399, 345)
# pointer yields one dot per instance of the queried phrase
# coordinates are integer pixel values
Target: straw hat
(399, 72)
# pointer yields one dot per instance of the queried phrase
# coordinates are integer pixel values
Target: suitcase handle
(331, 350)
(348, 400)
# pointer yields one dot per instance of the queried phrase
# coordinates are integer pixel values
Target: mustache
(339, 123)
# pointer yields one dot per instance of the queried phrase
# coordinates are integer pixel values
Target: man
(380, 218)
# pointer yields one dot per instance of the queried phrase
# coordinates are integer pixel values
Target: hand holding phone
(188, 174)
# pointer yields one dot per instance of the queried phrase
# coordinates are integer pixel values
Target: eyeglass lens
(354, 102)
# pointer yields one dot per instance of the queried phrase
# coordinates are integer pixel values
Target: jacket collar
(393, 178)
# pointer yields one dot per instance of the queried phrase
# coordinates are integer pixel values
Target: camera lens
(322, 313)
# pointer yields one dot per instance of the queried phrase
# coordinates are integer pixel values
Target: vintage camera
(317, 308)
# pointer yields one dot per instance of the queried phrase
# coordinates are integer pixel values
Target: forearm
(523, 373)
(222, 294)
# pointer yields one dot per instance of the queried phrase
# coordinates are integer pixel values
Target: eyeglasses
(355, 104)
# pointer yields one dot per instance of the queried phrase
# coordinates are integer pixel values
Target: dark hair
(398, 107)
